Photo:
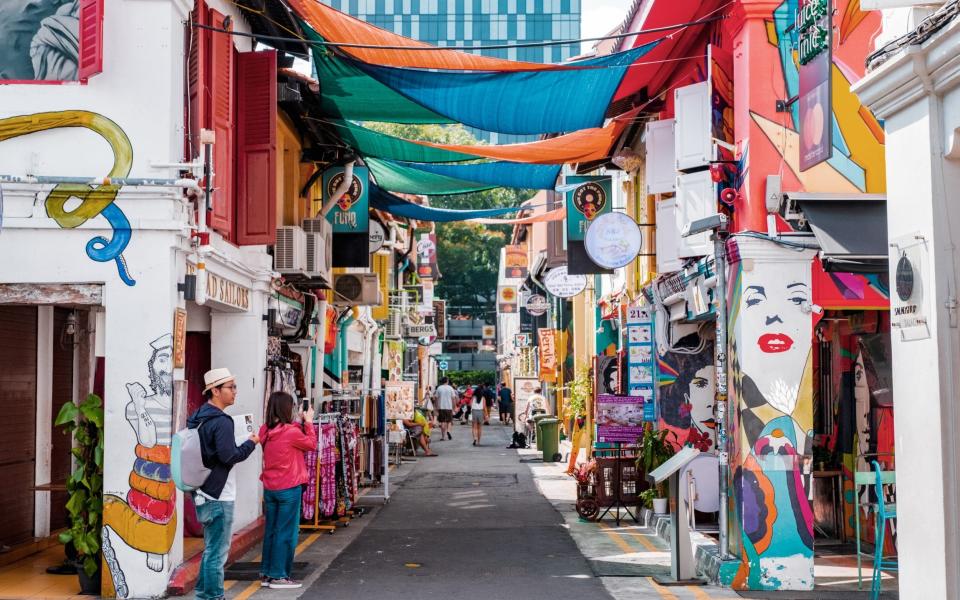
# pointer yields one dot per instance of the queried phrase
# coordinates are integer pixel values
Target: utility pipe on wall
(340, 191)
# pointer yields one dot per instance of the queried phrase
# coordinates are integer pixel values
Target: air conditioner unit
(290, 250)
(319, 234)
(360, 289)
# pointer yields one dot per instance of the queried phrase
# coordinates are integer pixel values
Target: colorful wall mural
(686, 387)
(39, 40)
(771, 395)
(94, 200)
(144, 520)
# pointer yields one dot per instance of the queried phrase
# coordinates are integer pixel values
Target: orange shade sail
(584, 145)
(335, 26)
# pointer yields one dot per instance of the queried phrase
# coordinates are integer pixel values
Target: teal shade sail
(395, 177)
(525, 102)
(498, 173)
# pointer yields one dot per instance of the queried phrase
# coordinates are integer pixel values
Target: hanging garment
(309, 503)
(328, 465)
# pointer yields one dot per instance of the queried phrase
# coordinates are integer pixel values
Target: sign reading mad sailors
(226, 292)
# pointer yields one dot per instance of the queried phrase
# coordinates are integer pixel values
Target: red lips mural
(775, 342)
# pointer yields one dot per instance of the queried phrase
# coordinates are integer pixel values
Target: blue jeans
(281, 508)
(217, 520)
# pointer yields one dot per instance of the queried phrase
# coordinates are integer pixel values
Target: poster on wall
(814, 35)
(592, 197)
(393, 359)
(641, 358)
(526, 400)
(619, 418)
(40, 40)
(399, 395)
(179, 338)
(515, 264)
(608, 375)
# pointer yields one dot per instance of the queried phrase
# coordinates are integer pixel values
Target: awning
(538, 102)
(850, 228)
(336, 26)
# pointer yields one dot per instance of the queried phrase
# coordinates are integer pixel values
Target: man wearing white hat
(215, 498)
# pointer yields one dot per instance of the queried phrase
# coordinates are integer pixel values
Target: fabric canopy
(402, 179)
(558, 214)
(503, 174)
(336, 26)
(348, 93)
(586, 145)
(382, 200)
(535, 102)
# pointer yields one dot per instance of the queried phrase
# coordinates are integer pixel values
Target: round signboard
(537, 305)
(905, 278)
(613, 240)
(562, 285)
(377, 236)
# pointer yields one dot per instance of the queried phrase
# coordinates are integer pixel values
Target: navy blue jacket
(217, 446)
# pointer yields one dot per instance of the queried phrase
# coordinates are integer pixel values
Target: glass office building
(468, 24)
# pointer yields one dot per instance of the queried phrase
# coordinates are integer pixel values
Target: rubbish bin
(548, 438)
(535, 428)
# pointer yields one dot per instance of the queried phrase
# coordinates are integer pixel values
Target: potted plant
(579, 390)
(84, 422)
(654, 451)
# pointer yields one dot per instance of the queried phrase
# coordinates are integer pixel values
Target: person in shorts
(477, 405)
(446, 397)
(506, 404)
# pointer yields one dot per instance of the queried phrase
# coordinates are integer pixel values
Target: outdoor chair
(883, 509)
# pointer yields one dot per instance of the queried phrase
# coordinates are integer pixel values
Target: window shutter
(91, 38)
(221, 109)
(256, 148)
(197, 42)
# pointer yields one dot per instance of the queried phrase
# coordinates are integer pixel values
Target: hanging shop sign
(179, 338)
(399, 399)
(613, 240)
(351, 214)
(489, 332)
(515, 263)
(908, 311)
(507, 297)
(536, 305)
(619, 418)
(427, 256)
(814, 33)
(226, 292)
(377, 236)
(640, 358)
(522, 340)
(548, 354)
(562, 285)
(590, 198)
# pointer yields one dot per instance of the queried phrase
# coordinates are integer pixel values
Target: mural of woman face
(701, 398)
(776, 337)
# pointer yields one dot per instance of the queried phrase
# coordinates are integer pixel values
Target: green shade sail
(394, 177)
(380, 145)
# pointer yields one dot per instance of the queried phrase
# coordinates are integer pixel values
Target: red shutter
(221, 109)
(197, 43)
(256, 148)
(91, 38)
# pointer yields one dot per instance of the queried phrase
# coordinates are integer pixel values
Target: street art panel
(39, 40)
(771, 393)
(140, 524)
(95, 201)
(686, 388)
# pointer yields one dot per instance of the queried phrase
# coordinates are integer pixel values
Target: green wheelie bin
(548, 439)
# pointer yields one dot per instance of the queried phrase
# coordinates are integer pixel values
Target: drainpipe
(343, 323)
(340, 191)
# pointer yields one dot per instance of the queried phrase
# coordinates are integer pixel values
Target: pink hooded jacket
(283, 449)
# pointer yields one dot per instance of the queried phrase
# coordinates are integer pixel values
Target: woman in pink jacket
(285, 438)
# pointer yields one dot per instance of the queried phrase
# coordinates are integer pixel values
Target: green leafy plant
(654, 450)
(580, 390)
(471, 378)
(84, 422)
(647, 496)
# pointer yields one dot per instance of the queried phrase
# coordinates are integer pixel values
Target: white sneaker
(284, 584)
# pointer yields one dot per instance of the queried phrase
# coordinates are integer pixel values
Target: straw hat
(215, 377)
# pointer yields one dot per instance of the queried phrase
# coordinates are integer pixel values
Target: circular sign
(589, 199)
(562, 285)
(537, 305)
(427, 340)
(905, 278)
(613, 240)
(377, 236)
(443, 365)
(349, 197)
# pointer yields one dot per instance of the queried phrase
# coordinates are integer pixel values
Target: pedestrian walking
(446, 397)
(476, 416)
(285, 437)
(215, 498)
(506, 404)
(489, 400)
(466, 404)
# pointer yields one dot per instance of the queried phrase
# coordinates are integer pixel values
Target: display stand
(682, 566)
(617, 500)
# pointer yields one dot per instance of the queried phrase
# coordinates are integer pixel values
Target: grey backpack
(186, 461)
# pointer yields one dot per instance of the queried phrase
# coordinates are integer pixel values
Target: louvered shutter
(91, 38)
(221, 113)
(256, 216)
(197, 42)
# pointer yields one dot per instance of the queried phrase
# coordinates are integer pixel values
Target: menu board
(620, 418)
(641, 366)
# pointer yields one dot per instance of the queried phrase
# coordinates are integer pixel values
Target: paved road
(469, 524)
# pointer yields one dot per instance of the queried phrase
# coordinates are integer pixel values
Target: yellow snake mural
(93, 200)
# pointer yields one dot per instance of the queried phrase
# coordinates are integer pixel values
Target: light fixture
(68, 332)
(188, 287)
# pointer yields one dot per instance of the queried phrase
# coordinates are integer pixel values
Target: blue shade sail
(523, 103)
(387, 202)
(502, 174)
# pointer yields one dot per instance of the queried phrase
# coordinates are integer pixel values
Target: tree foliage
(468, 254)
(471, 378)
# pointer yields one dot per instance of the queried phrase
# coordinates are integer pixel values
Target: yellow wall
(292, 175)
